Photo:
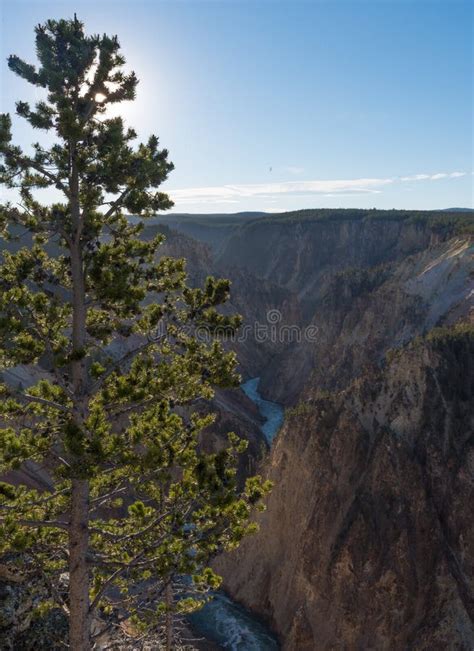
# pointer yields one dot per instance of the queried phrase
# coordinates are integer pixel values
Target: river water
(272, 412)
(222, 620)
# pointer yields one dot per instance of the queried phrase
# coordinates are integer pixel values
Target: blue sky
(281, 105)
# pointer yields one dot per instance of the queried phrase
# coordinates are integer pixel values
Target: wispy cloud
(432, 177)
(269, 191)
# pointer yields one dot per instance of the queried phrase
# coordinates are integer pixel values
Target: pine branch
(27, 162)
(118, 572)
(55, 524)
(43, 500)
(137, 534)
(42, 401)
(130, 355)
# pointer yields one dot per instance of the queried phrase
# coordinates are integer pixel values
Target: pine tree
(104, 328)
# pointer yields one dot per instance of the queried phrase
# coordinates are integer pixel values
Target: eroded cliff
(368, 539)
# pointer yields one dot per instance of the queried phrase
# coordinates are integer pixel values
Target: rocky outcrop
(368, 538)
(24, 621)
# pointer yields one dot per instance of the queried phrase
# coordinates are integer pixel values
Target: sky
(280, 105)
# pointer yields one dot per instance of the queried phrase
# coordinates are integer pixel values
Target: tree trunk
(79, 607)
(79, 616)
(169, 617)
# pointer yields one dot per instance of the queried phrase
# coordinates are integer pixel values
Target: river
(223, 621)
(272, 412)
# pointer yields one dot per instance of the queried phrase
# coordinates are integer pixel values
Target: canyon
(367, 540)
(360, 325)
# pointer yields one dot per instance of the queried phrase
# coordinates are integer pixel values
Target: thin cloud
(433, 177)
(271, 191)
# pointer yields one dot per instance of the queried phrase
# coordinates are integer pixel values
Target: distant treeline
(456, 221)
(443, 221)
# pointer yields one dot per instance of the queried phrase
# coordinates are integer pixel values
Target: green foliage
(105, 328)
(356, 281)
(300, 409)
(309, 408)
(456, 337)
(458, 332)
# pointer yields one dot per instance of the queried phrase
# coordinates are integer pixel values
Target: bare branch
(116, 204)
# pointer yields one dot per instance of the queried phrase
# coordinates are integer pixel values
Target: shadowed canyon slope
(367, 541)
(365, 281)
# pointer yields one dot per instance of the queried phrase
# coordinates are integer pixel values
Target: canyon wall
(364, 281)
(368, 538)
(367, 541)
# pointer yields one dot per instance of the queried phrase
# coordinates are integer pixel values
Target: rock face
(364, 281)
(297, 253)
(367, 542)
(361, 313)
(368, 539)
